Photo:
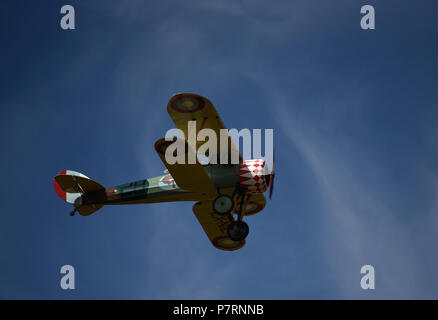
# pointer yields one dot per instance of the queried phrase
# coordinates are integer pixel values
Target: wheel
(223, 204)
(238, 230)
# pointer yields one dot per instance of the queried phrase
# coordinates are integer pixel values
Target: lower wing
(216, 226)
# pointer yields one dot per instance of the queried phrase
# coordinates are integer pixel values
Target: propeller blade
(271, 178)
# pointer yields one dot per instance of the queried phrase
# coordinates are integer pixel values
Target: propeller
(271, 178)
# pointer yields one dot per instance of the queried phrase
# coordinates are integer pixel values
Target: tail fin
(71, 185)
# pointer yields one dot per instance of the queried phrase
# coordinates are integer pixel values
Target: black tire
(238, 230)
(223, 204)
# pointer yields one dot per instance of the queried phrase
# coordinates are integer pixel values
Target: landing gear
(223, 204)
(238, 230)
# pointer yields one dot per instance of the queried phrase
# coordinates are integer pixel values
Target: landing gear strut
(238, 230)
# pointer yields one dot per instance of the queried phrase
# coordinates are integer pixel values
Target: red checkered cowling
(252, 176)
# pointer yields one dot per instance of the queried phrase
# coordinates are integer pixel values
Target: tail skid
(71, 186)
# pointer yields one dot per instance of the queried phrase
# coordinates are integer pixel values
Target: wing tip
(226, 244)
(186, 103)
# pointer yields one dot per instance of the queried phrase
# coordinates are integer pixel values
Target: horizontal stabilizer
(77, 184)
(70, 185)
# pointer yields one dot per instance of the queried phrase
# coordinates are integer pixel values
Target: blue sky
(355, 120)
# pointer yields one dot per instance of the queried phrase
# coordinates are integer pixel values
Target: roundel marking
(251, 208)
(224, 242)
(167, 183)
(188, 103)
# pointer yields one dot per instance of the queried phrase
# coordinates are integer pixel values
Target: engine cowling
(252, 176)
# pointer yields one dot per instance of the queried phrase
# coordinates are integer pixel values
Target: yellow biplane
(225, 193)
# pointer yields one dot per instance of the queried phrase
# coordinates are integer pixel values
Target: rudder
(71, 185)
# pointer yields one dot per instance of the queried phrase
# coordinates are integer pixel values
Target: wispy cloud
(362, 227)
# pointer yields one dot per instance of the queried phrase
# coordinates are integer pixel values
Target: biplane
(224, 193)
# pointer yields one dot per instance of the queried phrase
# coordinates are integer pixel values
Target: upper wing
(215, 226)
(187, 176)
(185, 107)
